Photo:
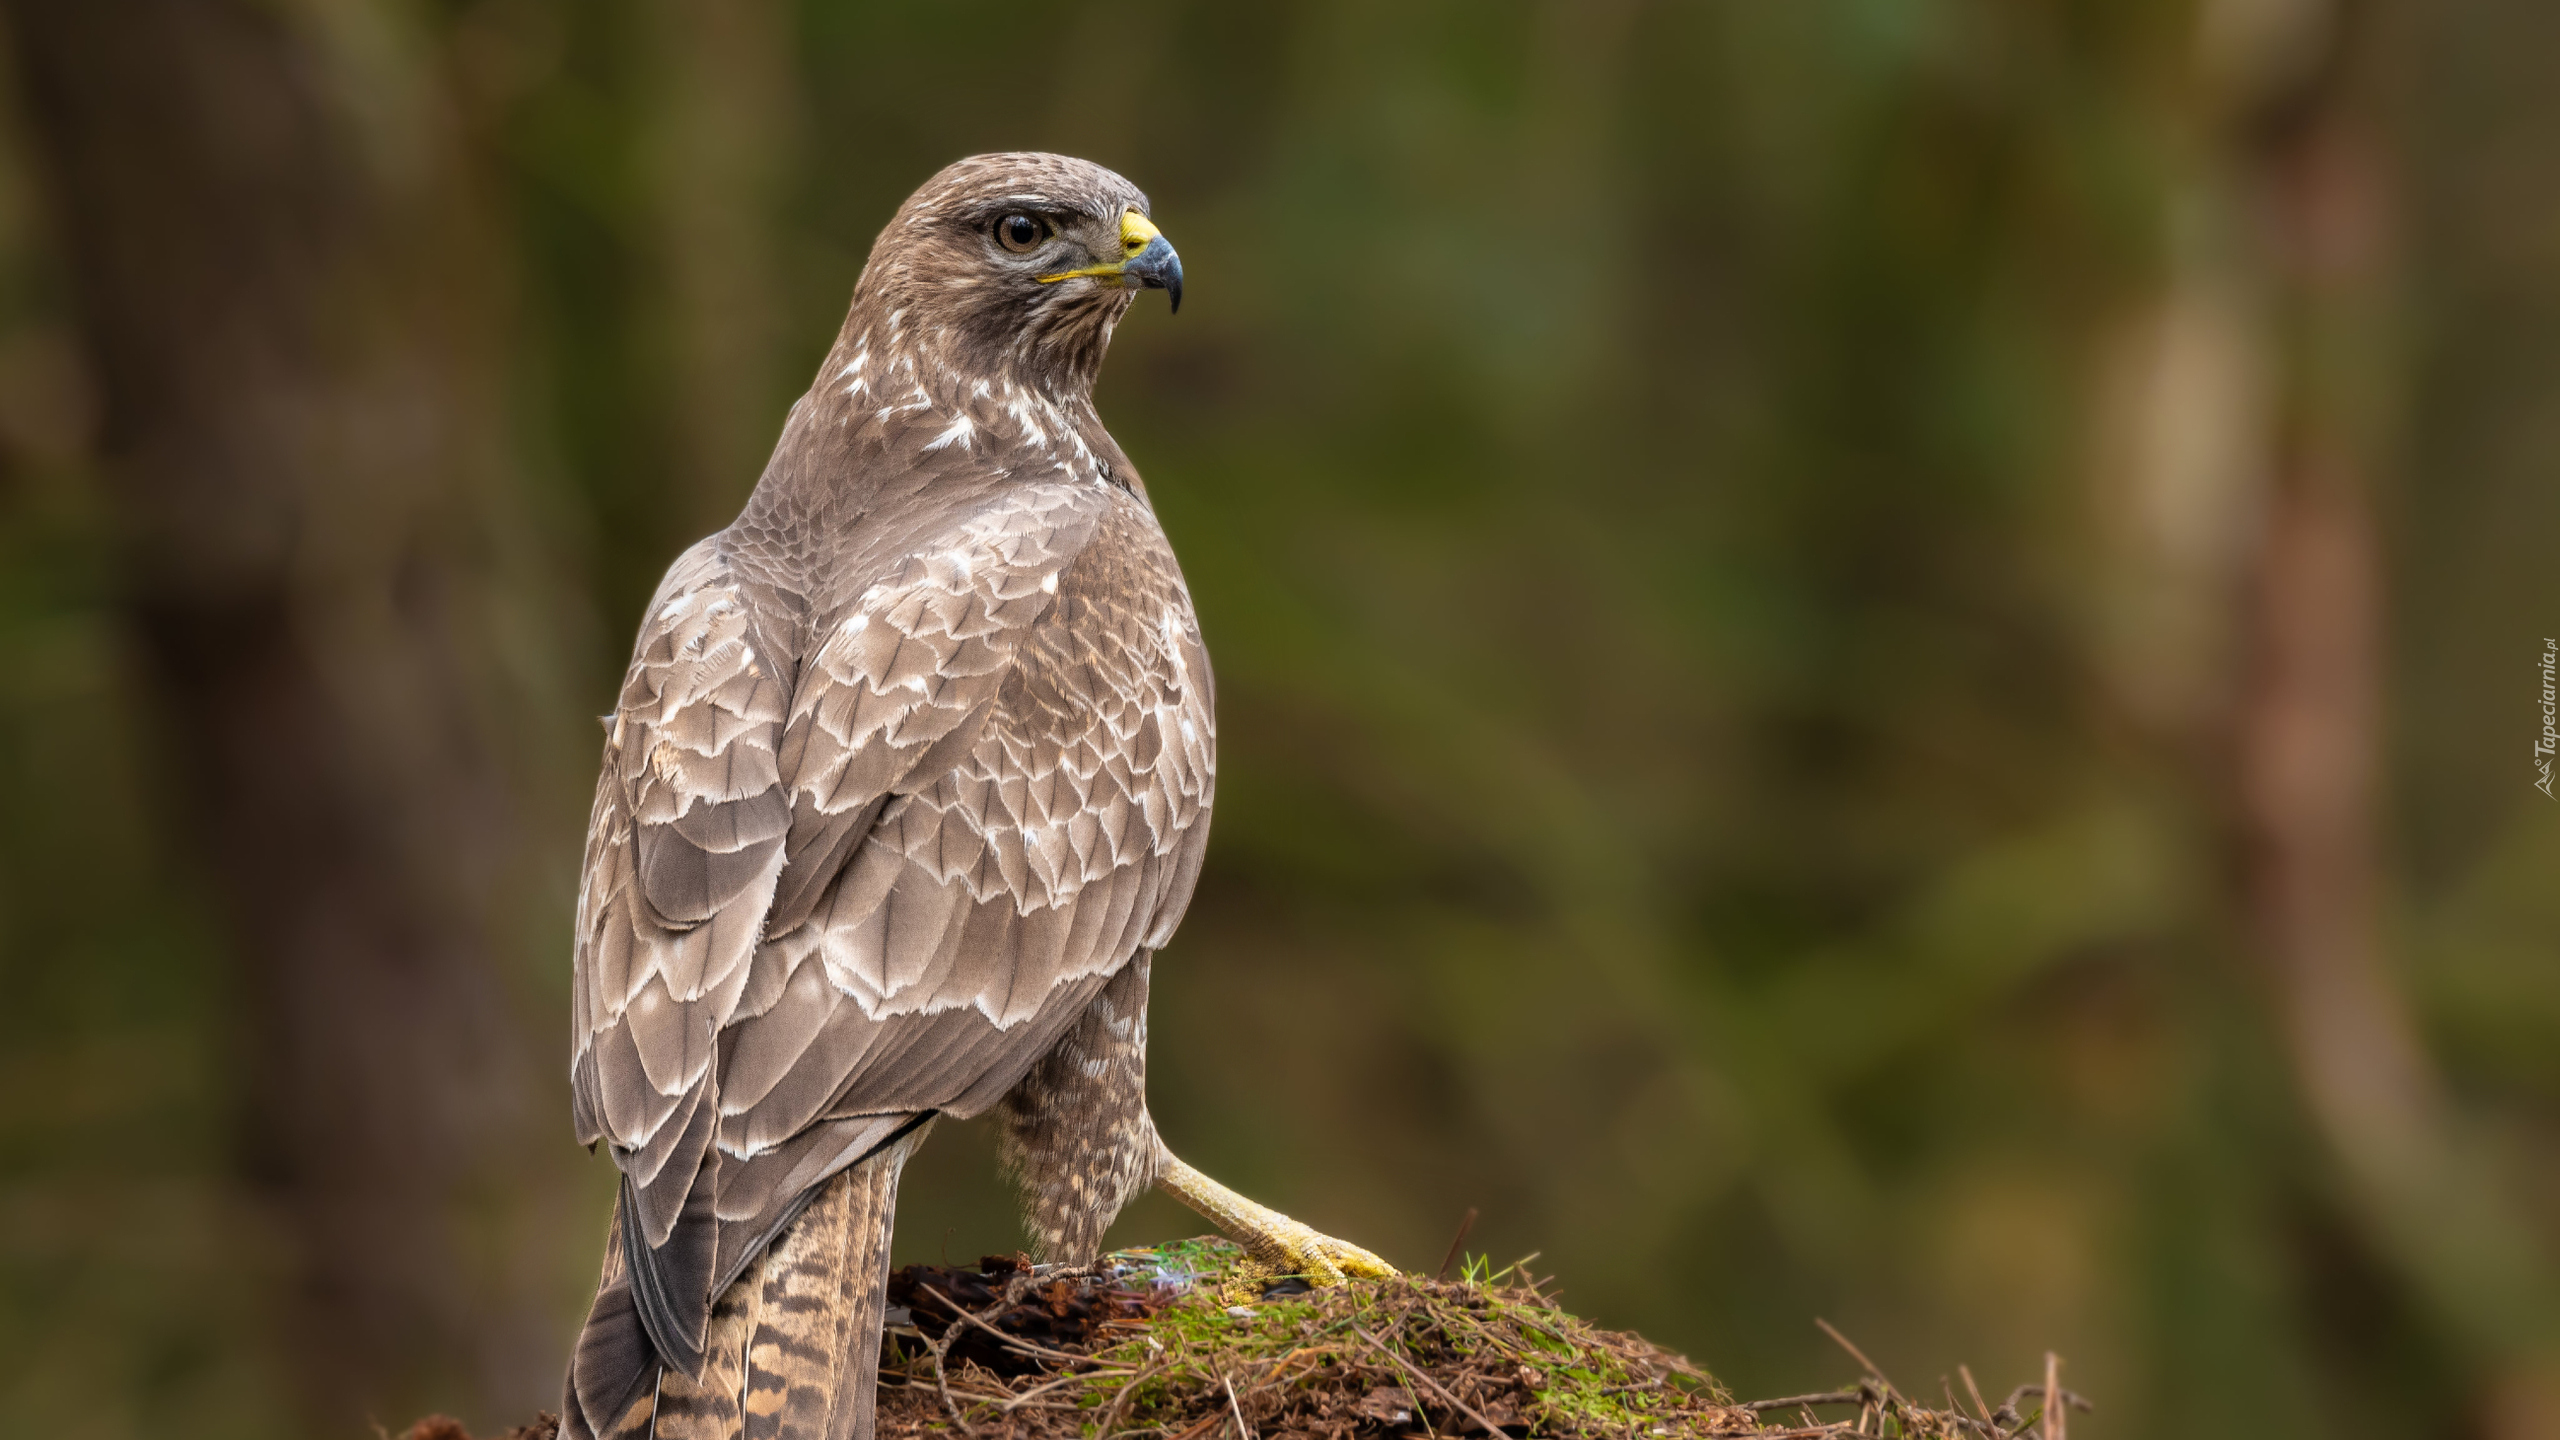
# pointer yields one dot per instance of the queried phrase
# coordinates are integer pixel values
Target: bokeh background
(1878, 659)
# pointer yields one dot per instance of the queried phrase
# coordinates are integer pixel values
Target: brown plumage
(911, 772)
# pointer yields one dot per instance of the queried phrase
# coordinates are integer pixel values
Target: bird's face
(1092, 253)
(1020, 262)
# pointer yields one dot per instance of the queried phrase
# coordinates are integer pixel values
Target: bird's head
(1017, 264)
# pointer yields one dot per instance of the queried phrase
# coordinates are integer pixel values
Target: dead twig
(1036, 1391)
(2053, 1413)
(1854, 1352)
(1120, 1398)
(1975, 1391)
(942, 1384)
(1827, 1397)
(1243, 1431)
(1012, 1342)
(2069, 1398)
(1465, 1224)
(1198, 1427)
(1462, 1406)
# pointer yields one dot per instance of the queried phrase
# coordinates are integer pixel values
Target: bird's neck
(886, 365)
(1052, 352)
(895, 424)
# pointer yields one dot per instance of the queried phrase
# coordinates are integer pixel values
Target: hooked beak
(1146, 261)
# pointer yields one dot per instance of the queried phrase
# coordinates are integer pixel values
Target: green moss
(1404, 1357)
(1332, 1360)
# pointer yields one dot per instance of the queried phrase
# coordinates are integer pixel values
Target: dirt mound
(1006, 1299)
(1142, 1345)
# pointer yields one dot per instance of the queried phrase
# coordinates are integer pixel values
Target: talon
(1275, 1245)
(1291, 1249)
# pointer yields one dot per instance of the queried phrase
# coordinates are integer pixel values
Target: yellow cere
(1136, 233)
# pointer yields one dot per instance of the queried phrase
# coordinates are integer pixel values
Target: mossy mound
(1144, 1346)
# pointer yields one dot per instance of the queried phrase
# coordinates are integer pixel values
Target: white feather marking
(1049, 582)
(958, 433)
(1020, 410)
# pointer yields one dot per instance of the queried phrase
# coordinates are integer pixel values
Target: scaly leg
(1274, 1244)
(1078, 1140)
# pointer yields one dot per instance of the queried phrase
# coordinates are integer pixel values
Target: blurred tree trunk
(2309, 725)
(2247, 428)
(2308, 98)
(280, 275)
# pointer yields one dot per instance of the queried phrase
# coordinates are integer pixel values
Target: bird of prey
(909, 778)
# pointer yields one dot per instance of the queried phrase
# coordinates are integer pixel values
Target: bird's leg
(1274, 1244)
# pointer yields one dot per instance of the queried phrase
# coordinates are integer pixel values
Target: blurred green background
(1878, 659)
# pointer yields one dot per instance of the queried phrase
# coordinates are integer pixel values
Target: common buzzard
(909, 778)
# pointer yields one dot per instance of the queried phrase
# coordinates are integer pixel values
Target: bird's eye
(1020, 233)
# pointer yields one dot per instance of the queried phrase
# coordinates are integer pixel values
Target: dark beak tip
(1159, 268)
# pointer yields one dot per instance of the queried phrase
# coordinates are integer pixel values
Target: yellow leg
(1274, 1244)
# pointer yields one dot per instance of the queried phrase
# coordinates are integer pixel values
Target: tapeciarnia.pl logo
(2543, 747)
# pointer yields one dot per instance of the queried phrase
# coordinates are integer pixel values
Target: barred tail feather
(611, 1370)
(793, 1348)
(813, 1361)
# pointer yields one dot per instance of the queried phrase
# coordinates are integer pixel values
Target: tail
(793, 1349)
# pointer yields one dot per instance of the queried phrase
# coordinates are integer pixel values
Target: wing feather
(1067, 833)
(684, 847)
(627, 1104)
(761, 1050)
(647, 1163)
(809, 917)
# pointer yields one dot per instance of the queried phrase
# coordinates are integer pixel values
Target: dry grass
(1143, 1348)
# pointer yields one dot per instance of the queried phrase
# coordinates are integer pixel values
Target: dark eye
(1020, 233)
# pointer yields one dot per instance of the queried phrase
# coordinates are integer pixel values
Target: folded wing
(814, 921)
